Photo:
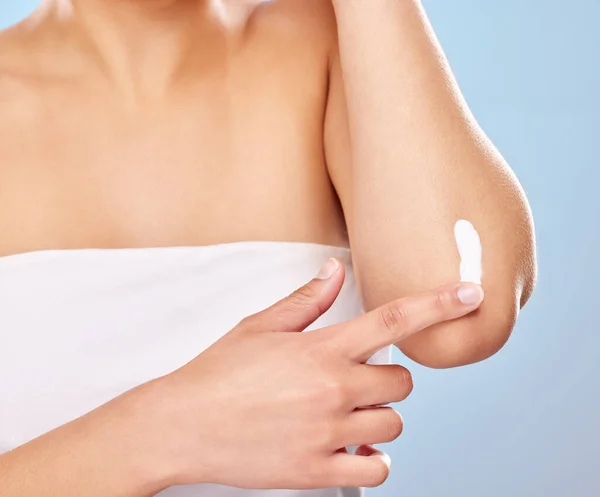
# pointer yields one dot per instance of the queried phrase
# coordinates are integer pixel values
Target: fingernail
(328, 269)
(470, 294)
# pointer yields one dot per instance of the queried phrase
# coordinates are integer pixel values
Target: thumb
(305, 305)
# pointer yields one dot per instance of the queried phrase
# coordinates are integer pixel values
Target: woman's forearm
(109, 452)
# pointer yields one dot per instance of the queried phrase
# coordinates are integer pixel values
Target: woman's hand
(263, 407)
(268, 407)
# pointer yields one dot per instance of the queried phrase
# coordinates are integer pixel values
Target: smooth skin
(314, 391)
(130, 123)
(190, 122)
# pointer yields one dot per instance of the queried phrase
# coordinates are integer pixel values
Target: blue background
(527, 422)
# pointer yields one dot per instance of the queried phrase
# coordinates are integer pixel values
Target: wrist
(172, 437)
(136, 429)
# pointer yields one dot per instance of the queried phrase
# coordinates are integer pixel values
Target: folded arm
(408, 160)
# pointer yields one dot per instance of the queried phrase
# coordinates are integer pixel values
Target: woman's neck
(142, 46)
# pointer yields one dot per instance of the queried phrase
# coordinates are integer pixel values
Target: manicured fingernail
(470, 294)
(328, 269)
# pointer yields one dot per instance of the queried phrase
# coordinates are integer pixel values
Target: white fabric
(79, 327)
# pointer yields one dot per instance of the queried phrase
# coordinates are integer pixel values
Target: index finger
(361, 337)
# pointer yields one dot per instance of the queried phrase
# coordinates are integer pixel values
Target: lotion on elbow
(469, 249)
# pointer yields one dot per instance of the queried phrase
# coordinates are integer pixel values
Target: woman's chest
(238, 153)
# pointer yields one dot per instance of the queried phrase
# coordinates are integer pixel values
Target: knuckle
(319, 347)
(306, 299)
(304, 294)
(330, 435)
(443, 302)
(247, 322)
(393, 316)
(335, 394)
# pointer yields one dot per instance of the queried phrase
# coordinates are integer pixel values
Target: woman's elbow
(467, 340)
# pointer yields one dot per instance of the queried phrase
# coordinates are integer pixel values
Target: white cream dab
(469, 248)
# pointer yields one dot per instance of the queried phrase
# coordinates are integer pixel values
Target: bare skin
(180, 122)
(172, 122)
(142, 136)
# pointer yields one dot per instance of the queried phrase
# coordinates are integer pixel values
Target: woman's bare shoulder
(314, 20)
(17, 72)
(318, 11)
(27, 71)
(13, 53)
